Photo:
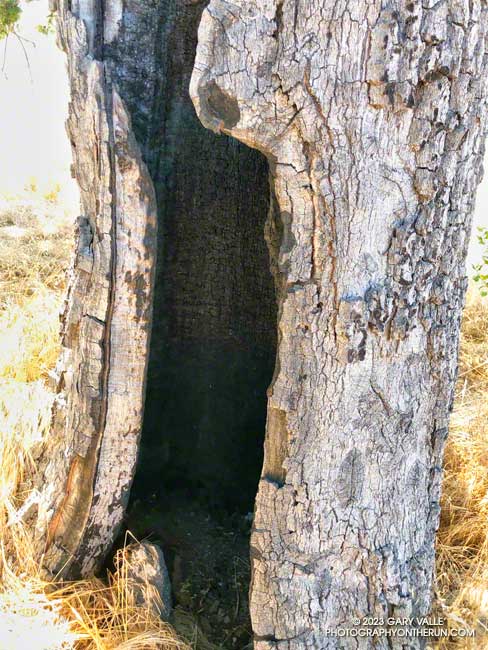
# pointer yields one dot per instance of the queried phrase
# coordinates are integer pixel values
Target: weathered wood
(143, 53)
(88, 463)
(373, 118)
(144, 568)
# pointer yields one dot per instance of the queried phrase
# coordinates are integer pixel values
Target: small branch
(21, 41)
(5, 55)
(24, 39)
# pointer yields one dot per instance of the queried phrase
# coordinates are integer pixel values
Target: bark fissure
(93, 455)
(115, 52)
(373, 120)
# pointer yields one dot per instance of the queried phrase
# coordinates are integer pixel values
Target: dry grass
(83, 615)
(29, 335)
(35, 248)
(462, 549)
(35, 245)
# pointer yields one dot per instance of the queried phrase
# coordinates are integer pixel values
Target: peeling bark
(373, 119)
(86, 469)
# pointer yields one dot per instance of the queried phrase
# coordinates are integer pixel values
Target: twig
(26, 40)
(5, 55)
(21, 41)
(474, 368)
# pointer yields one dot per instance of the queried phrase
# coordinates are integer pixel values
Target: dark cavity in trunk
(214, 331)
(212, 358)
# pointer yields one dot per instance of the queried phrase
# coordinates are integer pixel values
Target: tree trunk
(373, 119)
(214, 303)
(87, 467)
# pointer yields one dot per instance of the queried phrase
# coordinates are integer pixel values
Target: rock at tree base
(149, 577)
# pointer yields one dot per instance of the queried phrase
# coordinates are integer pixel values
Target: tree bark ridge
(87, 466)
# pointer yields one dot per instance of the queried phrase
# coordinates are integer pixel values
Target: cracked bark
(373, 118)
(217, 304)
(87, 465)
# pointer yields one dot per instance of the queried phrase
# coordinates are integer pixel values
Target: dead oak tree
(372, 117)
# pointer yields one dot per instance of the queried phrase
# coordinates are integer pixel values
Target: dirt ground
(207, 554)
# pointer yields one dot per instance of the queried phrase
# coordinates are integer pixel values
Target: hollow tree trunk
(214, 304)
(373, 118)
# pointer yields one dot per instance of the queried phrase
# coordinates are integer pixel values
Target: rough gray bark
(88, 462)
(373, 117)
(215, 309)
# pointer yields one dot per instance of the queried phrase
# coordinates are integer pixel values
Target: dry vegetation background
(35, 248)
(462, 541)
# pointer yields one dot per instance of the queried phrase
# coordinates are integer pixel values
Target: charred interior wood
(214, 327)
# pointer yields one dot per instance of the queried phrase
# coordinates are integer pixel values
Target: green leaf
(48, 27)
(10, 13)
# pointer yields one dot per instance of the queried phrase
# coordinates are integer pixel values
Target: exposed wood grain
(87, 468)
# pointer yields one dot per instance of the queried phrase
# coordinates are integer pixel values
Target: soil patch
(207, 554)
